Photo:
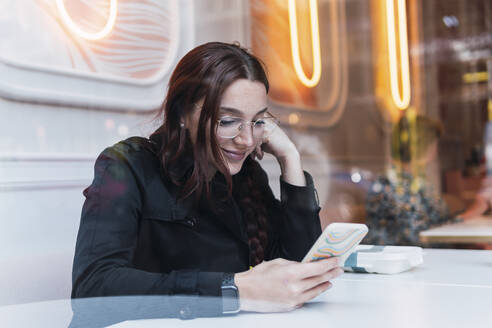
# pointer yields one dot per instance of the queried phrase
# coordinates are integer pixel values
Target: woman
(189, 210)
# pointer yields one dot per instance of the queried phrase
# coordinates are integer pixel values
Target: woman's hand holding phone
(281, 285)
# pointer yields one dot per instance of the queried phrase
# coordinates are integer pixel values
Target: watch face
(230, 299)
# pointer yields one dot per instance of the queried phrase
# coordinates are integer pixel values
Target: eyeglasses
(230, 127)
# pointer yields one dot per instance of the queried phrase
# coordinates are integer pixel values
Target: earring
(182, 125)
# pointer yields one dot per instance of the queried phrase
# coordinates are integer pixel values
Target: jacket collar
(179, 171)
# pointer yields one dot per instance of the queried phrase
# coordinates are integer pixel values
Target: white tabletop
(477, 230)
(453, 288)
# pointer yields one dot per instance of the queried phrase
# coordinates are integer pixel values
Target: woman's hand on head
(281, 285)
(279, 145)
(276, 143)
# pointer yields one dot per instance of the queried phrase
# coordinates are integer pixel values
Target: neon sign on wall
(307, 67)
(314, 80)
(401, 99)
(113, 11)
(114, 54)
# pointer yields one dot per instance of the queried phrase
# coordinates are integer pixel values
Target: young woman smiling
(189, 210)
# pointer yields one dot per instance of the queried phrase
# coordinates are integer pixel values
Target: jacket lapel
(226, 208)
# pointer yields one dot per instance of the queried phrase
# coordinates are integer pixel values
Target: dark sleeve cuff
(201, 291)
(209, 285)
(304, 197)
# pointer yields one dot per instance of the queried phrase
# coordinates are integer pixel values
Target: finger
(259, 152)
(265, 137)
(315, 291)
(311, 282)
(316, 268)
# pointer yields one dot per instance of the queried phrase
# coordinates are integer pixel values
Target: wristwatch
(230, 294)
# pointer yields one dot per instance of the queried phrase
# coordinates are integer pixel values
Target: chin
(234, 168)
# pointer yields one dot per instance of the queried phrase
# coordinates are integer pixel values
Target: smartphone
(338, 239)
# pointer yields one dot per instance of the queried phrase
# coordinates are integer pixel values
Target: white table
(453, 288)
(477, 230)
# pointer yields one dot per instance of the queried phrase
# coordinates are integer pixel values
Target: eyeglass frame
(252, 123)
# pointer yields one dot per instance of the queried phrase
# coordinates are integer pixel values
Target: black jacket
(135, 238)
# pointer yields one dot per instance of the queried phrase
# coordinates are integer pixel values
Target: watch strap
(230, 294)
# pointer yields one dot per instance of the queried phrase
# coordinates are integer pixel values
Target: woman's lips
(233, 155)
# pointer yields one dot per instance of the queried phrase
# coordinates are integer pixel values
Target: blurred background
(350, 80)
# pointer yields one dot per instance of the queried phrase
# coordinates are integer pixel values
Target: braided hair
(251, 199)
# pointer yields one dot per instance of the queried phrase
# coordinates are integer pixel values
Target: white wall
(47, 153)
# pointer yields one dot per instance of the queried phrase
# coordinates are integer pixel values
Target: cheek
(223, 142)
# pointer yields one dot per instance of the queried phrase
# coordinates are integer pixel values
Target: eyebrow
(238, 112)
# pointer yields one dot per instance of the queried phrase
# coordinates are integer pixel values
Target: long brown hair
(204, 74)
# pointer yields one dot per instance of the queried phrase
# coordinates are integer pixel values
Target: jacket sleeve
(107, 240)
(295, 222)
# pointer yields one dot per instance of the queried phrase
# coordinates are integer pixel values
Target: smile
(233, 155)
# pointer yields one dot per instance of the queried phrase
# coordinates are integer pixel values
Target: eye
(260, 122)
(228, 121)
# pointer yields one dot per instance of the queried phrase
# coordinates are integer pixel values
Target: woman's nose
(245, 136)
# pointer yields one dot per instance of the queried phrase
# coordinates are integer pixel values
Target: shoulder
(129, 150)
(126, 167)
(135, 156)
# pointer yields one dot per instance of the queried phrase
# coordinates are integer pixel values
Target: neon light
(89, 36)
(401, 100)
(476, 77)
(294, 42)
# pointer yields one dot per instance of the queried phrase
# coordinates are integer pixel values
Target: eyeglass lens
(231, 127)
